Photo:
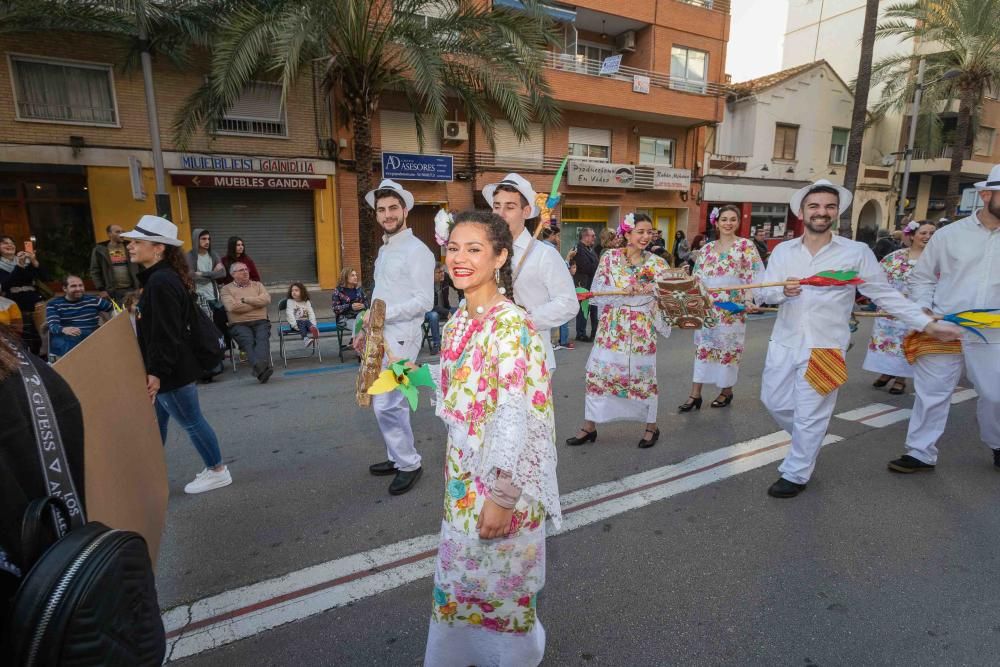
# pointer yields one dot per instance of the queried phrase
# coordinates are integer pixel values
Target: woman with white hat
(172, 370)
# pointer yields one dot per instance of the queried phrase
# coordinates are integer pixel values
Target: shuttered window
(785, 138)
(530, 152)
(399, 133)
(63, 91)
(257, 112)
(590, 143)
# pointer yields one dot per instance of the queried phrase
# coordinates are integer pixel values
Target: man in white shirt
(959, 270)
(805, 358)
(404, 280)
(542, 283)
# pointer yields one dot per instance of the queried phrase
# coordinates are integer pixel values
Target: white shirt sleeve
(923, 280)
(420, 296)
(561, 305)
(877, 288)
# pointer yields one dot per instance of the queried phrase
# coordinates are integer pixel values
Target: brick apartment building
(75, 152)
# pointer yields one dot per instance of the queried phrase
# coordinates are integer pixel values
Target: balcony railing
(944, 152)
(567, 62)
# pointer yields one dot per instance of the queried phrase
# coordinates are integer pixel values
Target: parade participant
(110, 269)
(236, 251)
(621, 369)
(885, 349)
(805, 358)
(959, 270)
(171, 366)
(404, 280)
(542, 284)
(18, 272)
(729, 260)
(73, 316)
(495, 396)
(246, 302)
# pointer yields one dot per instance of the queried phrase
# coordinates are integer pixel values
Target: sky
(755, 38)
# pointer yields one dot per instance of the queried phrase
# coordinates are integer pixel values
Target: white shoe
(208, 479)
(307, 343)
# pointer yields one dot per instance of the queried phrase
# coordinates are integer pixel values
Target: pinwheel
(405, 380)
(547, 202)
(821, 279)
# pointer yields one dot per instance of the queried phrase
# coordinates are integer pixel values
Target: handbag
(89, 597)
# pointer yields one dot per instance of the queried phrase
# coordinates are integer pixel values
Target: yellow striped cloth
(917, 344)
(827, 369)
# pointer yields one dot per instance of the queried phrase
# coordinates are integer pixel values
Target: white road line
(865, 411)
(963, 395)
(897, 415)
(244, 612)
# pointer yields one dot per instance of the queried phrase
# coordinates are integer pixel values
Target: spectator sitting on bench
(349, 297)
(246, 302)
(300, 314)
(73, 316)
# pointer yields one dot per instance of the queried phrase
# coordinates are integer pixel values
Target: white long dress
(621, 370)
(719, 349)
(885, 349)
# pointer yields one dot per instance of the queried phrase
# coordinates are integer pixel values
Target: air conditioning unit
(455, 131)
(625, 42)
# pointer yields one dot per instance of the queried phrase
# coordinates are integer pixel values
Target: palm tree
(144, 27)
(966, 37)
(430, 51)
(859, 115)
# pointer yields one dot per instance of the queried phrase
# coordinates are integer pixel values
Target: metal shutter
(276, 225)
(399, 133)
(590, 136)
(531, 151)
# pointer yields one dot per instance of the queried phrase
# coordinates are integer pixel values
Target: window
(770, 217)
(688, 69)
(529, 153)
(431, 12)
(594, 52)
(656, 151)
(838, 145)
(590, 144)
(399, 133)
(785, 138)
(984, 141)
(63, 92)
(258, 112)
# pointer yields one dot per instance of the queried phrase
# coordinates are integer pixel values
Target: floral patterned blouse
(627, 322)
(740, 264)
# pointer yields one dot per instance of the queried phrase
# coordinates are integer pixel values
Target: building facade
(634, 133)
(75, 157)
(831, 30)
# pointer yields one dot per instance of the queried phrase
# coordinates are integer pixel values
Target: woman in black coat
(163, 316)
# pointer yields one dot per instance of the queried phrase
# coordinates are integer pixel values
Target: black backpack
(207, 343)
(89, 597)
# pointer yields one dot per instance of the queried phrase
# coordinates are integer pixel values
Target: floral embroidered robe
(496, 401)
(885, 349)
(621, 369)
(719, 349)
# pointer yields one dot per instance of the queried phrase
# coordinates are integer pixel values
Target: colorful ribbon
(832, 279)
(404, 380)
(583, 296)
(979, 318)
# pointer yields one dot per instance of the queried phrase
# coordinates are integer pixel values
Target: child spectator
(300, 314)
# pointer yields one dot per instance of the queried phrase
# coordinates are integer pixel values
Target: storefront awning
(564, 14)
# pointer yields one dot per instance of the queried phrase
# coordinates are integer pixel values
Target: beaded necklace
(464, 329)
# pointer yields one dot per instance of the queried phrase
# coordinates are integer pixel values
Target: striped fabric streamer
(827, 369)
(917, 344)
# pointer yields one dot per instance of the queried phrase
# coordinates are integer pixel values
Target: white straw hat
(389, 184)
(154, 229)
(844, 199)
(519, 183)
(992, 181)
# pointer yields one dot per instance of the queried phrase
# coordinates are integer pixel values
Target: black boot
(785, 489)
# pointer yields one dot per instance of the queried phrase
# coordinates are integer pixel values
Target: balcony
(578, 84)
(938, 161)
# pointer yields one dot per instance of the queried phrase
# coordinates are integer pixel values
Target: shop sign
(418, 167)
(670, 178)
(640, 84)
(266, 165)
(600, 174)
(248, 181)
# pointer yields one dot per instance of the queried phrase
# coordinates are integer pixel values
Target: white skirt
(464, 645)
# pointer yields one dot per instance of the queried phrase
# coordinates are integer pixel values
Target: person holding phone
(18, 272)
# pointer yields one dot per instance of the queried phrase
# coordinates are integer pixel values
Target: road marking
(877, 415)
(247, 611)
(891, 417)
(963, 395)
(866, 411)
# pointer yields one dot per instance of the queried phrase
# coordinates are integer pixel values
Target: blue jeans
(182, 405)
(564, 334)
(433, 320)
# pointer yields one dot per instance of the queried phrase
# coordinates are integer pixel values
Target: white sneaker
(208, 479)
(307, 343)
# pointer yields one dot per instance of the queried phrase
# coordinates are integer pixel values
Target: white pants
(934, 379)
(392, 412)
(797, 408)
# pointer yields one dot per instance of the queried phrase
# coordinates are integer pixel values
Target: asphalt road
(864, 568)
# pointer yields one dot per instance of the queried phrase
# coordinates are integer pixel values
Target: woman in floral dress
(621, 370)
(885, 349)
(495, 396)
(729, 260)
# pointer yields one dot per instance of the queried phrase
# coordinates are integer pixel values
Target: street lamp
(917, 94)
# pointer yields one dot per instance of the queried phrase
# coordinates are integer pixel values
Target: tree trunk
(953, 195)
(860, 112)
(367, 226)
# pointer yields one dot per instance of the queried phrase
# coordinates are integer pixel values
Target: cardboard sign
(125, 474)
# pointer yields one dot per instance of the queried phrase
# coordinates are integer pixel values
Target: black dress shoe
(646, 444)
(384, 468)
(265, 375)
(576, 441)
(585, 339)
(785, 489)
(996, 457)
(907, 464)
(404, 481)
(693, 403)
(722, 401)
